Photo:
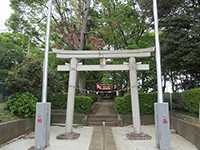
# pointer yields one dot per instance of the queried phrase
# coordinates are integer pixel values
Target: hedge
(122, 105)
(58, 101)
(24, 104)
(146, 100)
(191, 100)
(83, 104)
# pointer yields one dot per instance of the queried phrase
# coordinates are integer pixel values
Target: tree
(13, 48)
(82, 25)
(69, 23)
(117, 22)
(179, 25)
(27, 77)
(180, 45)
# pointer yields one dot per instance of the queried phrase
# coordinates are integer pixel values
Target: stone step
(102, 116)
(101, 119)
(107, 123)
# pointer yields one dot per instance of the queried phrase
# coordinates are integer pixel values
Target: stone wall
(186, 127)
(145, 119)
(59, 116)
(13, 129)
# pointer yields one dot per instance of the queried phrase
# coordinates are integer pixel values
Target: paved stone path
(102, 139)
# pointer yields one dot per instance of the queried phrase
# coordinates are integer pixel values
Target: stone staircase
(103, 112)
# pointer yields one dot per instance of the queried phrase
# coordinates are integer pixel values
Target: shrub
(83, 104)
(58, 101)
(146, 100)
(122, 105)
(191, 99)
(22, 104)
(93, 97)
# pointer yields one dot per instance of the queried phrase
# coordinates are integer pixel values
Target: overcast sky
(5, 12)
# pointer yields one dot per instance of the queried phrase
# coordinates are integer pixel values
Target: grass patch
(5, 115)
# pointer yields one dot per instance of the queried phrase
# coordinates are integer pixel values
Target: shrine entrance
(42, 126)
(74, 67)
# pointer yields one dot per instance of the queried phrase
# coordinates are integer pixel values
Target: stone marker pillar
(42, 125)
(162, 126)
(134, 95)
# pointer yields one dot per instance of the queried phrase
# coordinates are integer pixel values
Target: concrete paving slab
(81, 144)
(102, 139)
(119, 135)
(122, 143)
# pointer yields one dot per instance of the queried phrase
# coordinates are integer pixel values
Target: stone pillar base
(138, 136)
(68, 136)
(33, 148)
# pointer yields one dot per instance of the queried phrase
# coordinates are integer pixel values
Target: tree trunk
(81, 79)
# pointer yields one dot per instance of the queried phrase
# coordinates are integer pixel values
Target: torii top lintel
(90, 54)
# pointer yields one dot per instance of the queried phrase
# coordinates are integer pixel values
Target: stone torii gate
(74, 67)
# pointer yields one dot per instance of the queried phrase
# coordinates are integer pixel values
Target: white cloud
(5, 12)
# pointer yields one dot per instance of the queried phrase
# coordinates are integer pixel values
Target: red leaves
(96, 42)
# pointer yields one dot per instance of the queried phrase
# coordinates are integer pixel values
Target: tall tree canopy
(180, 46)
(116, 23)
(94, 24)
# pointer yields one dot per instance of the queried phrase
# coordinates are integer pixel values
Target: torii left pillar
(134, 96)
(69, 134)
(71, 95)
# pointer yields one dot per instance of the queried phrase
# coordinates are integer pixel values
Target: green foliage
(179, 24)
(122, 105)
(180, 44)
(83, 104)
(5, 115)
(191, 99)
(17, 41)
(118, 23)
(146, 100)
(13, 48)
(58, 100)
(27, 77)
(93, 97)
(22, 104)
